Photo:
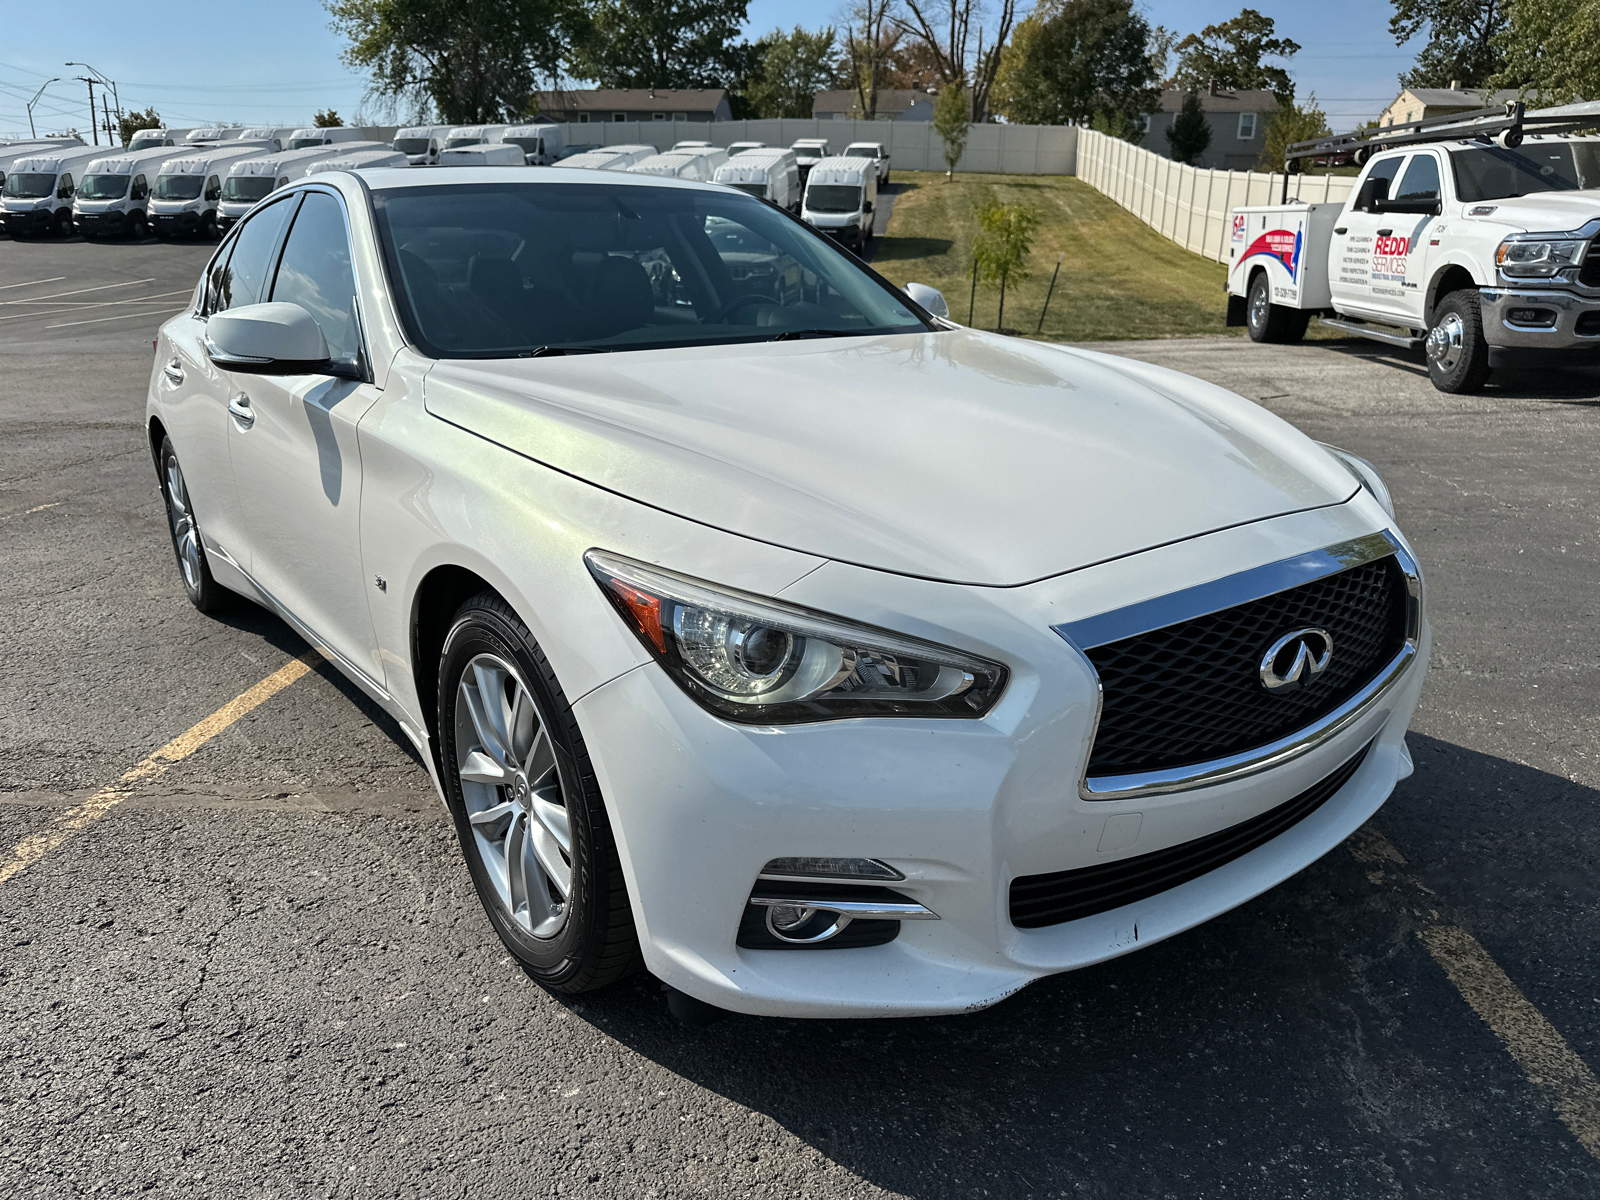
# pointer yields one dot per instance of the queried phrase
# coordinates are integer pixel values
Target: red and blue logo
(1281, 245)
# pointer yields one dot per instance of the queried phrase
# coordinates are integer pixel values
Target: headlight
(1366, 475)
(1532, 258)
(763, 662)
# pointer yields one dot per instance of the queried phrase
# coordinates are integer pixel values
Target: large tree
(870, 41)
(664, 44)
(1554, 46)
(793, 68)
(1229, 55)
(954, 34)
(1291, 123)
(1464, 40)
(1079, 61)
(470, 61)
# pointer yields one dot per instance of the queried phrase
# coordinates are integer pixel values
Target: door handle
(173, 371)
(1385, 232)
(241, 411)
(1341, 229)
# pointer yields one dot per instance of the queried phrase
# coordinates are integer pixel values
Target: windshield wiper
(793, 335)
(552, 351)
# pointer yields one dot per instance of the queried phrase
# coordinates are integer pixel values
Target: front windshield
(412, 145)
(302, 143)
(247, 187)
(861, 152)
(179, 187)
(30, 186)
(103, 187)
(833, 198)
(507, 270)
(1490, 173)
(528, 145)
(755, 189)
(143, 141)
(452, 143)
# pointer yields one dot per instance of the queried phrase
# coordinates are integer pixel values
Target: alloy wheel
(185, 536)
(513, 795)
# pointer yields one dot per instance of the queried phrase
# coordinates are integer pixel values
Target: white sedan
(820, 656)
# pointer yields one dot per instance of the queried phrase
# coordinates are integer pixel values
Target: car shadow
(1287, 1029)
(1567, 383)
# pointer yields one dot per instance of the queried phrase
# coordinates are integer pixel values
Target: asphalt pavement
(265, 972)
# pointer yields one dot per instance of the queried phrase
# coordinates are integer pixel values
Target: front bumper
(960, 808)
(114, 221)
(1565, 320)
(175, 224)
(34, 221)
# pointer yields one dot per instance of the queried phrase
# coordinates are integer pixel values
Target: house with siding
(1418, 104)
(1238, 121)
(584, 105)
(894, 104)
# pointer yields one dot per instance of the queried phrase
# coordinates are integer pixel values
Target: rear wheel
(1269, 322)
(1458, 355)
(527, 806)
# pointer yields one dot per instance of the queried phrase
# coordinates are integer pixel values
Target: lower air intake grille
(1039, 900)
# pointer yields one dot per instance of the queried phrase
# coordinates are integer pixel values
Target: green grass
(1120, 279)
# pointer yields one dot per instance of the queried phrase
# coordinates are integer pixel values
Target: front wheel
(527, 806)
(63, 222)
(1269, 322)
(1458, 355)
(204, 592)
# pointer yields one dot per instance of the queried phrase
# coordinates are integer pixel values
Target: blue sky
(274, 61)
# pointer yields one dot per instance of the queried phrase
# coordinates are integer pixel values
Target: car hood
(956, 455)
(1547, 212)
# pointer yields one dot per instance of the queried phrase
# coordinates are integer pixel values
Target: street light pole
(105, 81)
(31, 130)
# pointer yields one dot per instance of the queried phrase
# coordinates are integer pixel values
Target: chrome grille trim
(1241, 588)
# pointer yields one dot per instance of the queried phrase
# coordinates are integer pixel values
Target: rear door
(1355, 259)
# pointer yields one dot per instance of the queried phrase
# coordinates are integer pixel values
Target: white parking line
(75, 292)
(122, 317)
(160, 300)
(66, 304)
(28, 512)
(32, 282)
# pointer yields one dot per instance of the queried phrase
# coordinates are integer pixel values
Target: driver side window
(140, 188)
(1421, 181)
(1382, 176)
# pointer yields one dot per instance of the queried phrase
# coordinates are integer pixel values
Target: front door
(1356, 259)
(1402, 253)
(295, 457)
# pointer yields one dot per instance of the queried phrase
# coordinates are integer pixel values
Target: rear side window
(316, 274)
(244, 275)
(1421, 181)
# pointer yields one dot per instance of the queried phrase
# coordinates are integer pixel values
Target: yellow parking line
(34, 847)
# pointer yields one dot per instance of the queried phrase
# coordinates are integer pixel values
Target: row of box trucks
(198, 182)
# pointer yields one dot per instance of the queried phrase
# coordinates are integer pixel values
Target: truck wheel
(1269, 322)
(1458, 356)
(63, 222)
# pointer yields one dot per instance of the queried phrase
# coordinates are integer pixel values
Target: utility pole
(110, 128)
(31, 130)
(94, 120)
(105, 81)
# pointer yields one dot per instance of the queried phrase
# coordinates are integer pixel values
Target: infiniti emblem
(1296, 659)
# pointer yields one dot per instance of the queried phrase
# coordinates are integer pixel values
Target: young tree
(1078, 59)
(953, 34)
(1464, 40)
(471, 61)
(951, 120)
(662, 43)
(132, 122)
(1000, 251)
(794, 67)
(326, 118)
(1554, 46)
(1191, 132)
(1290, 124)
(1230, 55)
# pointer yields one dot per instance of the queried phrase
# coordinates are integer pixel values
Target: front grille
(1192, 692)
(1039, 900)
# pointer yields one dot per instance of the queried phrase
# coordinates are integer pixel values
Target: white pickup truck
(1476, 250)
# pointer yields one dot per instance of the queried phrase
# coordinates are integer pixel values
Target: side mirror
(1374, 191)
(867, 207)
(270, 339)
(931, 299)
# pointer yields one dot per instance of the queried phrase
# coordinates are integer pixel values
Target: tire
(208, 229)
(204, 592)
(1458, 355)
(138, 227)
(1269, 322)
(569, 922)
(63, 222)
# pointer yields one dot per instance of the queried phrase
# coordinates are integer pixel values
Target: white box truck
(809, 152)
(360, 160)
(114, 194)
(774, 175)
(698, 165)
(212, 133)
(489, 154)
(876, 151)
(420, 143)
(10, 152)
(539, 143)
(252, 179)
(1472, 238)
(840, 196)
(146, 139)
(37, 195)
(472, 135)
(308, 136)
(188, 188)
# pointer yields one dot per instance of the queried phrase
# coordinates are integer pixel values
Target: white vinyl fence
(912, 145)
(1188, 204)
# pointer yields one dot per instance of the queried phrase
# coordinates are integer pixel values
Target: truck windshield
(755, 189)
(452, 143)
(1490, 173)
(833, 198)
(412, 145)
(179, 187)
(302, 143)
(103, 187)
(862, 152)
(31, 186)
(247, 187)
(528, 145)
(142, 141)
(508, 270)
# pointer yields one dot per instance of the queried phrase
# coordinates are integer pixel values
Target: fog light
(1540, 317)
(787, 919)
